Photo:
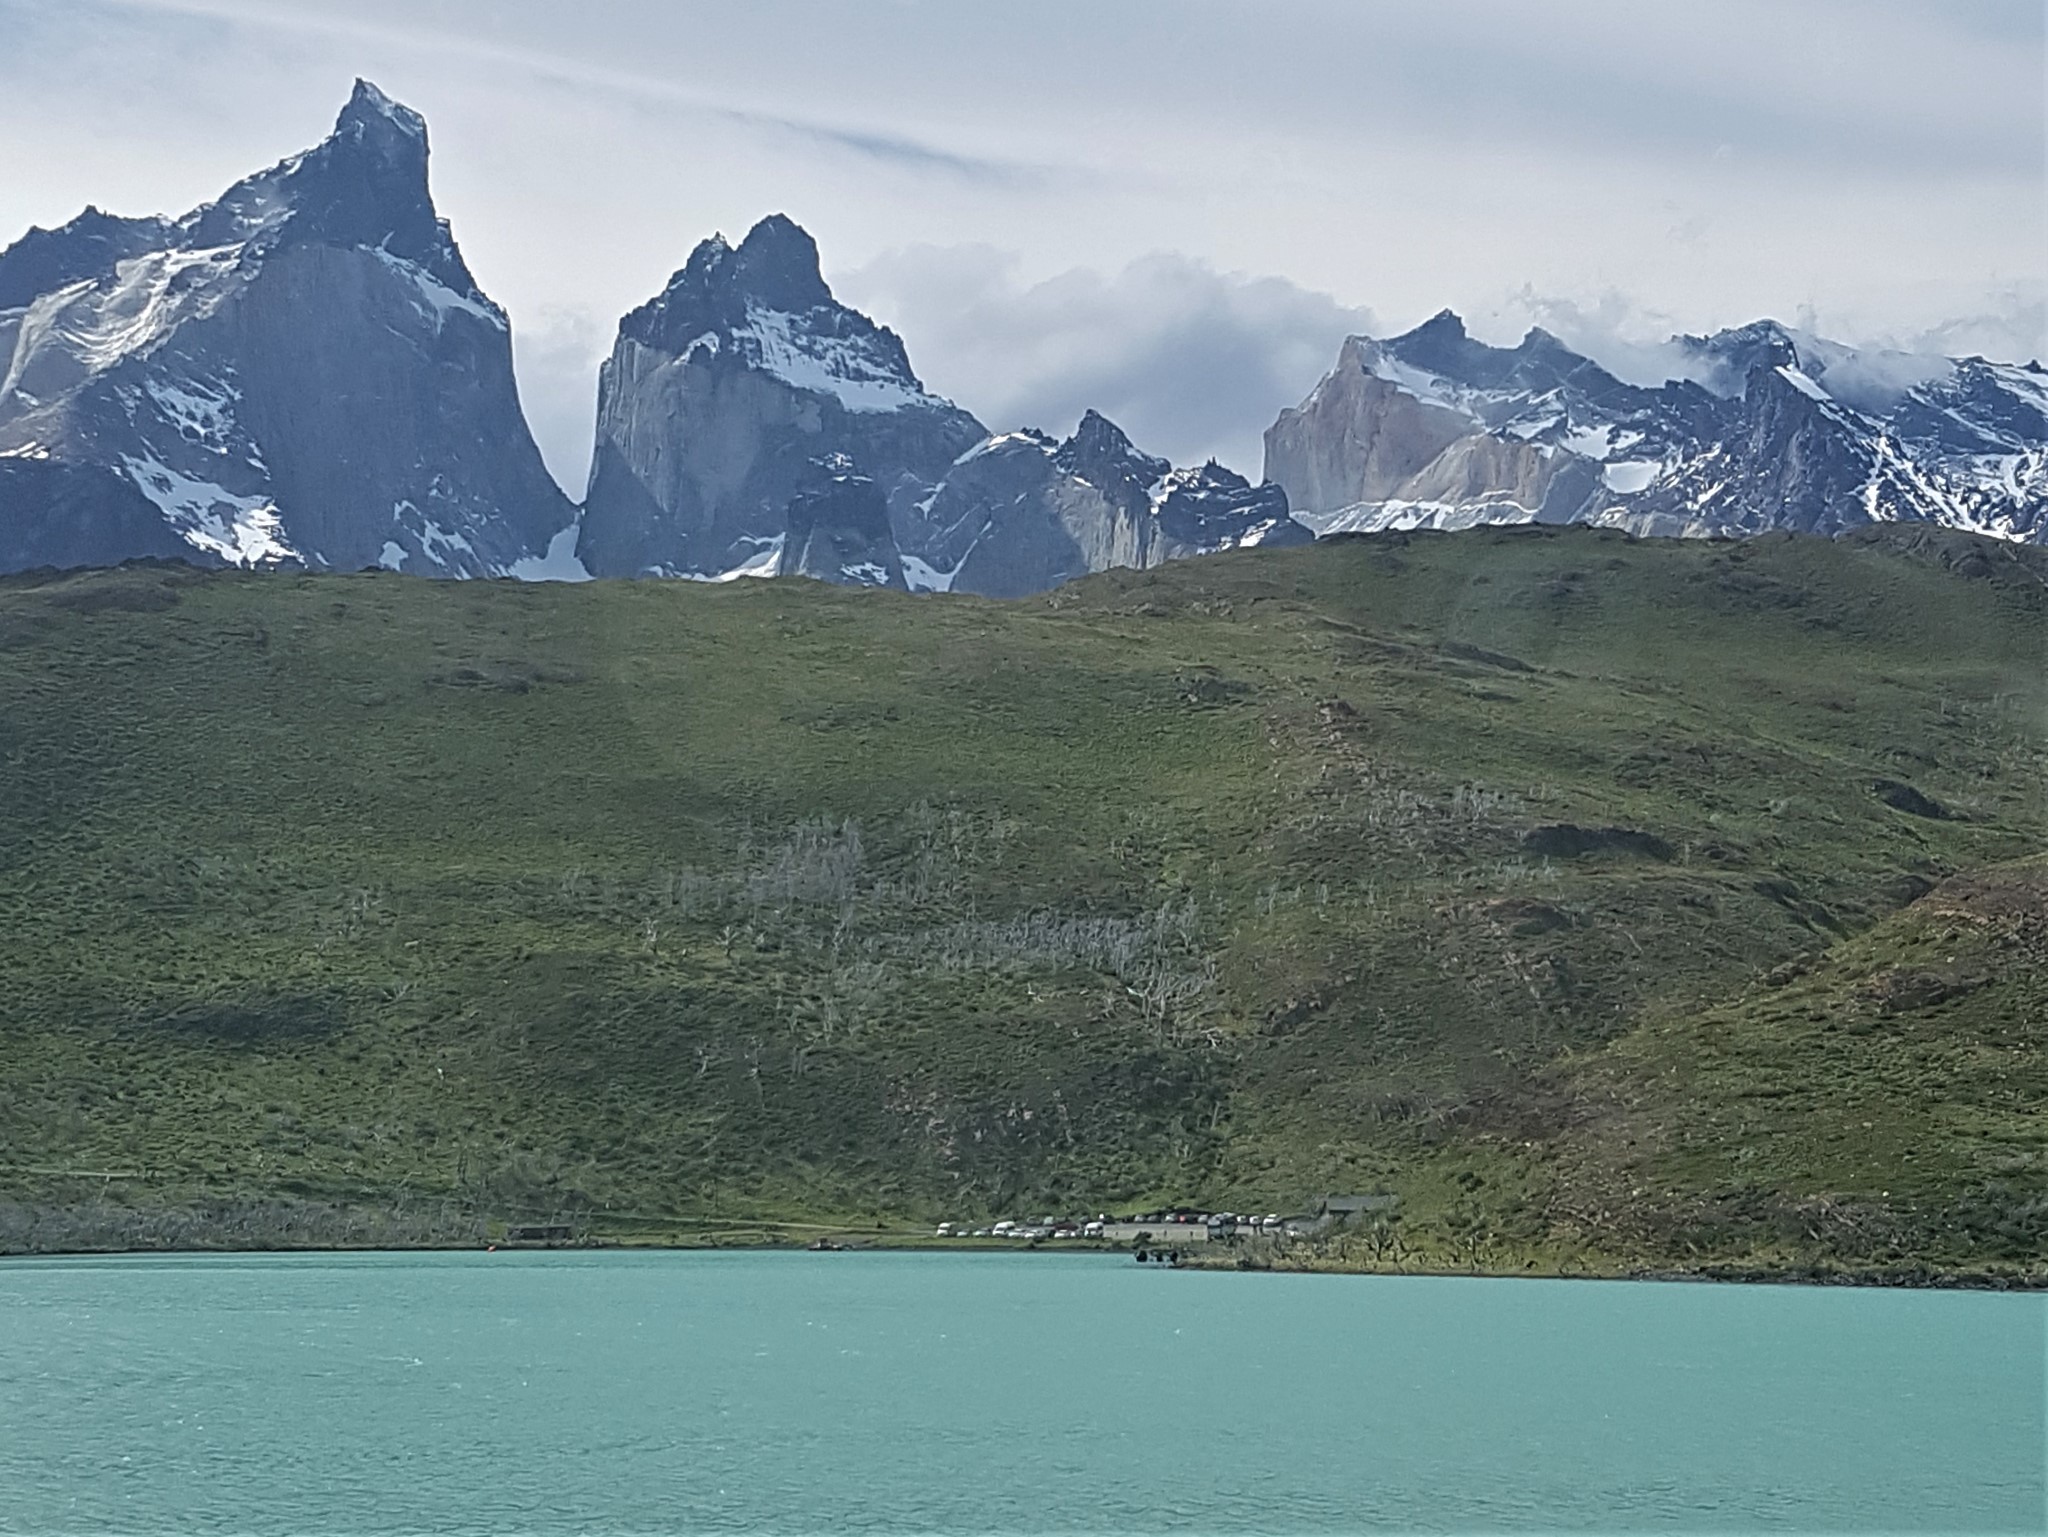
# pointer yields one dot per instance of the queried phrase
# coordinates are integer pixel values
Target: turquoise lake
(827, 1393)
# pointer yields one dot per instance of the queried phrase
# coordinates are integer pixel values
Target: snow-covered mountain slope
(1436, 430)
(302, 372)
(725, 392)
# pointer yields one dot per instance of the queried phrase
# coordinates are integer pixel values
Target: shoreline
(1913, 1279)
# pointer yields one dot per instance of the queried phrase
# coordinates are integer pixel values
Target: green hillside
(1616, 904)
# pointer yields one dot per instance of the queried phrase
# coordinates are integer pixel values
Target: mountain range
(1770, 429)
(304, 373)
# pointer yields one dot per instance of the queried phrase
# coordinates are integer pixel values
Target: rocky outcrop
(303, 372)
(839, 532)
(1776, 430)
(1202, 511)
(724, 392)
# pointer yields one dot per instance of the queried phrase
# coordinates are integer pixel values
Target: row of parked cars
(1047, 1227)
(1218, 1224)
(1215, 1221)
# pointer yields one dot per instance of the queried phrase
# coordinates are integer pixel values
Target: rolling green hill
(1616, 904)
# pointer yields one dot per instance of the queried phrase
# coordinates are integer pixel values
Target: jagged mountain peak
(1199, 511)
(1537, 341)
(1739, 351)
(1446, 324)
(1765, 332)
(1443, 333)
(746, 356)
(1442, 364)
(89, 245)
(777, 266)
(364, 185)
(301, 371)
(1441, 345)
(372, 118)
(1095, 434)
(1102, 452)
(765, 305)
(711, 254)
(766, 301)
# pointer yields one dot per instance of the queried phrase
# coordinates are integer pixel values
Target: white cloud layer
(1191, 362)
(1875, 165)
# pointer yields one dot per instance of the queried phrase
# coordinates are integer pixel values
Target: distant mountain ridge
(305, 373)
(1433, 429)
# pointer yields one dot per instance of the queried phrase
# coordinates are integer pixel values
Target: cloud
(1867, 365)
(407, 34)
(1190, 361)
(1635, 343)
(2013, 327)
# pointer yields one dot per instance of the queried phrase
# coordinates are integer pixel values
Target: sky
(1170, 210)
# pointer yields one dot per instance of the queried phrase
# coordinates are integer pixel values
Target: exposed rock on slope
(724, 392)
(303, 372)
(1436, 430)
(839, 532)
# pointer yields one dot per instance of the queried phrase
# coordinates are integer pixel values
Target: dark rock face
(839, 532)
(54, 514)
(303, 372)
(1209, 509)
(1082, 506)
(1436, 430)
(722, 392)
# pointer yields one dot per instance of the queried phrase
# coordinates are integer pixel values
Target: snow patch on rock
(557, 564)
(241, 530)
(921, 576)
(1629, 476)
(856, 374)
(436, 299)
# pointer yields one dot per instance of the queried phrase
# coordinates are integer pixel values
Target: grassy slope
(696, 909)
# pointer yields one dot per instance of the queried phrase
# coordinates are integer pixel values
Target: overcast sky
(1172, 210)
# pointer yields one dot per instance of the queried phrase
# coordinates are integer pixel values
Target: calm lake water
(826, 1393)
